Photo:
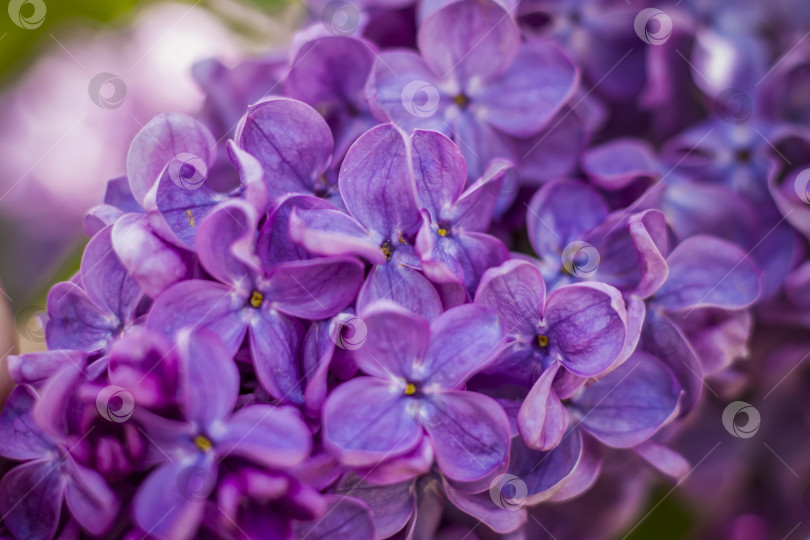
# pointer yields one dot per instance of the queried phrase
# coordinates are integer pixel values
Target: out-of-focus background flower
(77, 81)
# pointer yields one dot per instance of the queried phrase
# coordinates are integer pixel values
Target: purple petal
(31, 499)
(718, 336)
(395, 340)
(211, 383)
(708, 272)
(517, 290)
(75, 321)
(346, 518)
(403, 285)
(463, 341)
(403, 89)
(500, 519)
(161, 140)
(152, 263)
(144, 363)
(376, 181)
(291, 141)
(225, 243)
(614, 165)
(277, 237)
(274, 342)
(106, 280)
(664, 459)
(533, 89)
(546, 473)
(560, 213)
(170, 502)
(366, 421)
(627, 406)
(469, 40)
(274, 437)
(391, 505)
(542, 418)
(20, 437)
(327, 231)
(120, 196)
(315, 288)
(554, 152)
(251, 175)
(439, 171)
(470, 435)
(586, 325)
(99, 217)
(90, 500)
(401, 468)
(200, 303)
(474, 208)
(37, 367)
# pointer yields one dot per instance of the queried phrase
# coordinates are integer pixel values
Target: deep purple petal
(463, 341)
(291, 141)
(20, 437)
(31, 499)
(160, 141)
(627, 406)
(90, 500)
(391, 505)
(615, 164)
(517, 290)
(225, 243)
(376, 181)
(327, 231)
(395, 340)
(546, 473)
(469, 40)
(586, 326)
(366, 421)
(533, 89)
(346, 518)
(75, 321)
(37, 367)
(439, 171)
(315, 288)
(708, 272)
(470, 435)
(274, 437)
(211, 383)
(274, 342)
(278, 236)
(542, 418)
(498, 517)
(404, 285)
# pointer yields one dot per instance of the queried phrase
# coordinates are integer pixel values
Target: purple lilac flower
(416, 371)
(474, 81)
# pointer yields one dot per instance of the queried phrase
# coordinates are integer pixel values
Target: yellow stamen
(442, 231)
(410, 389)
(203, 443)
(542, 341)
(386, 249)
(190, 217)
(461, 100)
(402, 240)
(256, 299)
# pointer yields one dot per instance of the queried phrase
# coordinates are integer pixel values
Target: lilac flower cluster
(432, 272)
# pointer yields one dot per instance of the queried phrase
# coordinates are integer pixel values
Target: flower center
(202, 442)
(542, 341)
(410, 389)
(462, 100)
(443, 230)
(256, 299)
(387, 249)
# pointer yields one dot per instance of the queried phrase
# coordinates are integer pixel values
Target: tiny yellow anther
(386, 250)
(203, 443)
(190, 217)
(410, 389)
(256, 299)
(542, 341)
(442, 231)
